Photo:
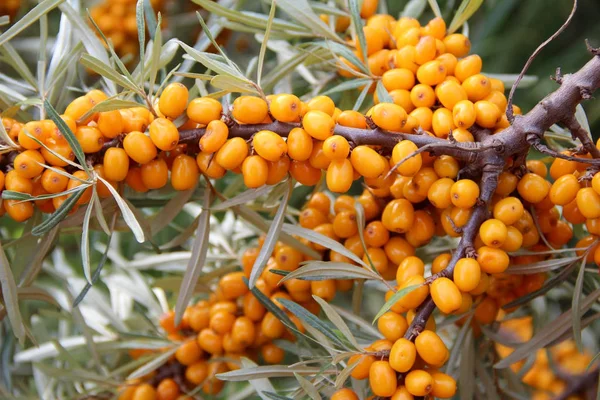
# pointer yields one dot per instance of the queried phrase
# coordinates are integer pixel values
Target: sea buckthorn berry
(414, 298)
(377, 258)
(401, 97)
(73, 183)
(318, 124)
(389, 116)
(18, 210)
(255, 171)
(477, 87)
(363, 365)
(403, 355)
(249, 109)
(336, 147)
(431, 348)
(467, 67)
(508, 210)
(464, 193)
(588, 202)
(464, 114)
(514, 239)
(436, 28)
(134, 180)
(425, 50)
(54, 182)
(410, 266)
(116, 164)
(457, 44)
(272, 327)
(164, 134)
(392, 326)
(402, 150)
(492, 260)
(422, 95)
(202, 110)
(167, 389)
(439, 193)
(79, 107)
(189, 352)
(440, 263)
(318, 159)
(110, 123)
(398, 78)
(507, 183)
(155, 174)
(232, 153)
(243, 331)
(446, 295)
(269, 145)
(382, 379)
(486, 311)
(144, 392)
(305, 173)
(442, 122)
(367, 162)
(139, 147)
(322, 103)
(210, 341)
(214, 137)
(375, 234)
(533, 188)
(184, 172)
(462, 135)
(449, 93)
(286, 108)
(310, 218)
(340, 176)
(209, 166)
(446, 167)
(499, 99)
(344, 394)
(487, 114)
(493, 232)
(33, 129)
(90, 139)
(537, 167)
(467, 274)
(28, 164)
(444, 386)
(431, 73)
(352, 119)
(344, 224)
(271, 353)
(398, 216)
(418, 382)
(596, 182)
(299, 144)
(173, 100)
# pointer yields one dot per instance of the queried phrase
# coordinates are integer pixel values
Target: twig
(578, 132)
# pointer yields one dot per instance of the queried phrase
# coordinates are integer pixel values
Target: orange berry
(214, 137)
(344, 394)
(285, 108)
(431, 348)
(318, 124)
(398, 216)
(210, 341)
(202, 110)
(444, 386)
(402, 150)
(322, 103)
(73, 183)
(232, 153)
(167, 389)
(155, 174)
(508, 210)
(467, 274)
(431, 73)
(363, 365)
(382, 379)
(110, 123)
(450, 93)
(90, 139)
(164, 134)
(422, 95)
(492, 260)
(189, 352)
(493, 232)
(134, 180)
(255, 171)
(184, 172)
(144, 392)
(299, 144)
(139, 147)
(464, 114)
(467, 67)
(78, 107)
(418, 382)
(464, 193)
(340, 176)
(387, 116)
(173, 100)
(588, 202)
(477, 87)
(403, 355)
(336, 147)
(28, 164)
(18, 210)
(446, 295)
(533, 188)
(269, 145)
(398, 78)
(116, 164)
(487, 114)
(367, 162)
(249, 110)
(392, 326)
(457, 44)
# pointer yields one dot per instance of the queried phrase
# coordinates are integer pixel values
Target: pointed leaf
(10, 297)
(395, 297)
(128, 215)
(337, 321)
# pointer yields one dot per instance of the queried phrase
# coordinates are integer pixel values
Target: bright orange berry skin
(336, 147)
(173, 100)
(255, 171)
(184, 172)
(285, 108)
(467, 274)
(444, 386)
(155, 174)
(403, 355)
(110, 123)
(232, 154)
(446, 295)
(418, 382)
(116, 164)
(340, 176)
(269, 145)
(464, 193)
(493, 232)
(318, 124)
(389, 116)
(431, 348)
(249, 109)
(90, 139)
(382, 379)
(28, 164)
(533, 188)
(204, 109)
(139, 147)
(344, 394)
(164, 134)
(492, 260)
(367, 162)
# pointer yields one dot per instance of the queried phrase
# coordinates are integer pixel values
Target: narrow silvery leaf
(11, 298)
(153, 364)
(36, 13)
(308, 387)
(337, 321)
(395, 297)
(128, 215)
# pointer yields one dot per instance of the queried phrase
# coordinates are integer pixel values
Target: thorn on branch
(558, 77)
(594, 50)
(586, 94)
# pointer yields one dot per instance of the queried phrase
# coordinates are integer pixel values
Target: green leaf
(345, 52)
(581, 117)
(69, 136)
(110, 73)
(157, 50)
(466, 9)
(323, 240)
(324, 270)
(361, 97)
(337, 320)
(358, 26)
(168, 213)
(466, 375)
(541, 266)
(141, 28)
(435, 8)
(308, 387)
(153, 25)
(266, 371)
(243, 198)
(576, 304)
(272, 238)
(310, 319)
(60, 214)
(261, 385)
(36, 13)
(212, 62)
(85, 239)
(458, 345)
(382, 94)
(128, 215)
(10, 297)
(348, 85)
(395, 297)
(110, 105)
(301, 11)
(233, 84)
(272, 307)
(13, 58)
(265, 40)
(414, 8)
(196, 262)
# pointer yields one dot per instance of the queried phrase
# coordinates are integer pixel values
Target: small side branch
(578, 132)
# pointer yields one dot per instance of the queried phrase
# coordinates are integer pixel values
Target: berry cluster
(117, 21)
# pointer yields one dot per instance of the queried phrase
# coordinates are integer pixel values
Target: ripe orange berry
(73, 183)
(431, 73)
(214, 137)
(367, 162)
(457, 44)
(116, 164)
(232, 153)
(255, 171)
(508, 210)
(52, 181)
(202, 110)
(286, 108)
(514, 239)
(208, 165)
(487, 114)
(144, 392)
(110, 123)
(467, 67)
(401, 150)
(467, 274)
(155, 174)
(439, 193)
(403, 355)
(304, 173)
(322, 103)
(173, 100)
(493, 232)
(278, 170)
(28, 164)
(90, 139)
(139, 147)
(398, 216)
(446, 295)
(392, 326)
(388, 116)
(398, 78)
(340, 175)
(486, 311)
(492, 260)
(449, 93)
(210, 341)
(167, 389)
(344, 394)
(272, 327)
(533, 188)
(444, 386)
(249, 109)
(189, 352)
(431, 348)
(418, 382)
(164, 134)
(134, 180)
(382, 379)
(422, 95)
(464, 114)
(464, 193)
(78, 107)
(477, 87)
(18, 210)
(588, 202)
(269, 145)
(352, 119)
(336, 147)
(300, 144)
(318, 124)
(184, 172)
(442, 122)
(414, 298)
